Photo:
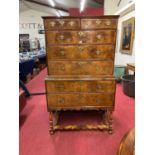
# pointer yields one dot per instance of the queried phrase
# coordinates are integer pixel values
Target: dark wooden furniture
(127, 145)
(80, 60)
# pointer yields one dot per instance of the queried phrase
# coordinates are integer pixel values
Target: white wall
(28, 18)
(111, 8)
(123, 59)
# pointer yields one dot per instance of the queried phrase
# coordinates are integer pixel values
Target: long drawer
(89, 85)
(80, 67)
(81, 52)
(81, 37)
(60, 100)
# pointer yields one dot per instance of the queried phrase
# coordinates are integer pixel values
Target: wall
(30, 22)
(123, 59)
(111, 8)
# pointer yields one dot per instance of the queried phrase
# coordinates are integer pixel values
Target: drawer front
(98, 23)
(80, 86)
(80, 100)
(81, 37)
(54, 24)
(80, 67)
(81, 52)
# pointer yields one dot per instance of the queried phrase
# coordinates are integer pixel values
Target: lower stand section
(106, 124)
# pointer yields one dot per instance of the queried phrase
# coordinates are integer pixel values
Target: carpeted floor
(36, 140)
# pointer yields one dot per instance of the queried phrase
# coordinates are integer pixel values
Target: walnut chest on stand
(80, 59)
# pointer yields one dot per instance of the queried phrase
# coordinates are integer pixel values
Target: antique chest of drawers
(80, 59)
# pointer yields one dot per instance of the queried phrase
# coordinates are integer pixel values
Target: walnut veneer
(80, 59)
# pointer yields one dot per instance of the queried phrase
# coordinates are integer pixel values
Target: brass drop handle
(98, 22)
(99, 36)
(52, 24)
(71, 23)
(62, 53)
(62, 37)
(80, 42)
(61, 22)
(108, 23)
(61, 100)
(98, 52)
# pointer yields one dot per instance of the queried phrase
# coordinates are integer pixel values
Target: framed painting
(127, 36)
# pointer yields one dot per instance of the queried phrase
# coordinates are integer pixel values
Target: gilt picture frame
(127, 36)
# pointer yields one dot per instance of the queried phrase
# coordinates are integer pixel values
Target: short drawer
(80, 67)
(53, 86)
(81, 37)
(81, 52)
(61, 24)
(98, 23)
(80, 100)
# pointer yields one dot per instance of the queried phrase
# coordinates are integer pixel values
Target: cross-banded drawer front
(98, 23)
(80, 99)
(80, 67)
(61, 24)
(80, 86)
(81, 37)
(81, 52)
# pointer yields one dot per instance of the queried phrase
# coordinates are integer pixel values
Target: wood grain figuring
(80, 86)
(98, 23)
(84, 52)
(80, 59)
(81, 37)
(80, 99)
(127, 145)
(62, 24)
(80, 67)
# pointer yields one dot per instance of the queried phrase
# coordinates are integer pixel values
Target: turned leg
(55, 118)
(109, 120)
(51, 123)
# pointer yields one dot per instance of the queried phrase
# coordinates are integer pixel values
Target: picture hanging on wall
(127, 36)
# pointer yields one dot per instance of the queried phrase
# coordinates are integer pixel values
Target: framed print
(127, 36)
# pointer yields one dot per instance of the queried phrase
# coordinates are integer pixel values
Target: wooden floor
(127, 145)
